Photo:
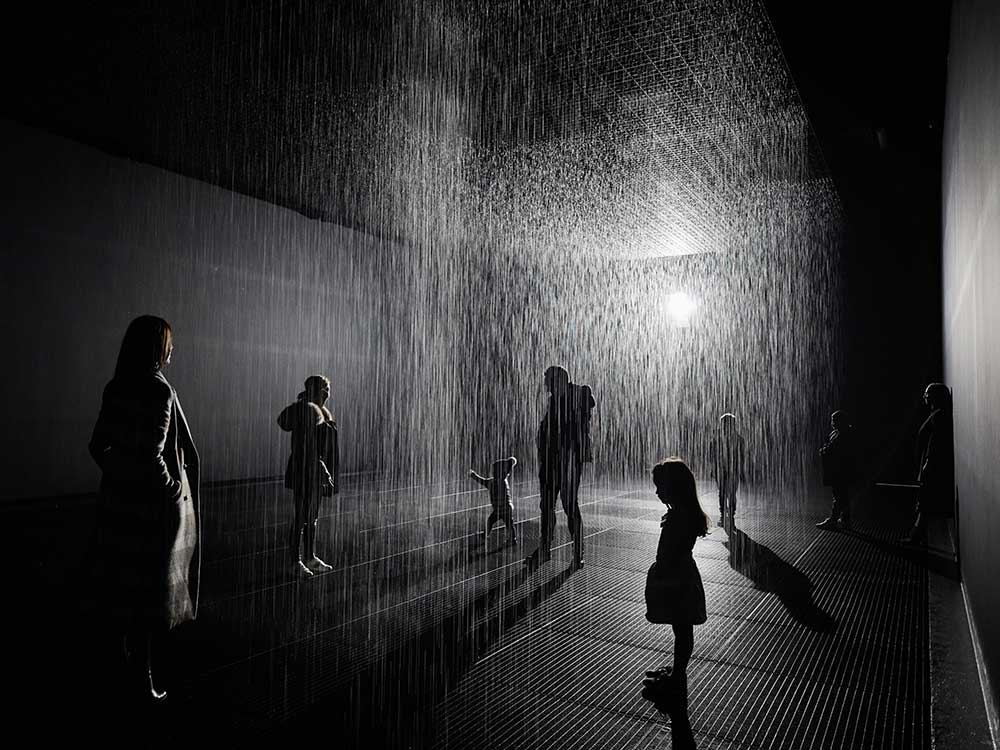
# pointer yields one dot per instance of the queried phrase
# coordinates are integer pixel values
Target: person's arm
(743, 459)
(151, 438)
(286, 420)
(928, 458)
(100, 440)
(335, 453)
(482, 480)
(541, 446)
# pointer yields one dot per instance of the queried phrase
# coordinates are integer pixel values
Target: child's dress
(674, 592)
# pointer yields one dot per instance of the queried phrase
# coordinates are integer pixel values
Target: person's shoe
(576, 564)
(303, 570)
(915, 538)
(844, 524)
(827, 524)
(536, 558)
(154, 695)
(656, 674)
(318, 566)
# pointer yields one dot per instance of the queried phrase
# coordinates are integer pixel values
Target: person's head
(675, 486)
(937, 396)
(556, 379)
(146, 348)
(839, 420)
(317, 389)
(727, 423)
(503, 467)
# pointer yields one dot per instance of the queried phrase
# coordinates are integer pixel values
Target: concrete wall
(258, 297)
(972, 306)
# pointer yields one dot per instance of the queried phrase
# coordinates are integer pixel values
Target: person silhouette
(674, 592)
(936, 473)
(499, 489)
(727, 458)
(313, 469)
(148, 508)
(839, 459)
(564, 445)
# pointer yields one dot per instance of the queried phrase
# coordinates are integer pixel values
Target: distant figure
(148, 514)
(499, 487)
(563, 447)
(839, 456)
(313, 468)
(936, 475)
(674, 592)
(727, 457)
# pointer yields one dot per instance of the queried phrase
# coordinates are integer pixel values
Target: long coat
(149, 511)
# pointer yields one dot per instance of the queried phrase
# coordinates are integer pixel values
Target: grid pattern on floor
(830, 652)
(423, 637)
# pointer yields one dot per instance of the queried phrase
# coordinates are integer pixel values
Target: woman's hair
(146, 346)
(675, 484)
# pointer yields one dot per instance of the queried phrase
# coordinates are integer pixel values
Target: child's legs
(683, 646)
(508, 520)
(491, 520)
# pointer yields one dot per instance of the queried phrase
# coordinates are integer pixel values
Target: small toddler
(499, 488)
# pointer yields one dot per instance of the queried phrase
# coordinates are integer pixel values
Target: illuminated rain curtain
(632, 190)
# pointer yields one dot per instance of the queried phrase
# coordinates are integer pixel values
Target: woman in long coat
(674, 592)
(148, 513)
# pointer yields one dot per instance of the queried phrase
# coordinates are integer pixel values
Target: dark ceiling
(310, 105)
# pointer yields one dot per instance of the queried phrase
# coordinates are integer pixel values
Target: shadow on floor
(934, 559)
(673, 705)
(770, 573)
(408, 682)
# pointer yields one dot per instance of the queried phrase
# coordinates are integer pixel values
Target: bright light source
(680, 307)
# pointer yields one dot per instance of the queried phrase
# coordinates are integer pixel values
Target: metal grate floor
(423, 637)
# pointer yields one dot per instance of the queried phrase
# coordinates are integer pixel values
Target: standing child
(727, 456)
(674, 592)
(499, 487)
(838, 458)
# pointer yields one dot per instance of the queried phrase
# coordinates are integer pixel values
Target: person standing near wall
(839, 459)
(148, 511)
(313, 469)
(564, 446)
(936, 473)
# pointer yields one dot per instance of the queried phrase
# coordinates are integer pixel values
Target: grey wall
(435, 349)
(972, 304)
(258, 297)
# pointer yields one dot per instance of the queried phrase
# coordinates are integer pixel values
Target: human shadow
(933, 560)
(770, 573)
(674, 705)
(390, 702)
